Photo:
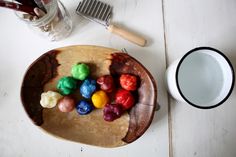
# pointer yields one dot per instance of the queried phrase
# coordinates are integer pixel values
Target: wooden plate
(43, 74)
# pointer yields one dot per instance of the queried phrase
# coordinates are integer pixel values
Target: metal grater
(95, 10)
(101, 13)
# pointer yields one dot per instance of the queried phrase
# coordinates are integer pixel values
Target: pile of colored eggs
(96, 93)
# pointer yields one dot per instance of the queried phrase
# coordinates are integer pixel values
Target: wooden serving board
(91, 129)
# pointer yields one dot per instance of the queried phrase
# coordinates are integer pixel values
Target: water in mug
(200, 78)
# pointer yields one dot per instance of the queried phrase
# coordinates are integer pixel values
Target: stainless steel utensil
(101, 12)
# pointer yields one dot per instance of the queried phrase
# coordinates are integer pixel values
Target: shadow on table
(232, 58)
(150, 60)
(79, 23)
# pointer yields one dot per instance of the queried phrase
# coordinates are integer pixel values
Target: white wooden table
(172, 28)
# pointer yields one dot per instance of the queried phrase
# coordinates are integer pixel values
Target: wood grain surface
(44, 74)
(190, 24)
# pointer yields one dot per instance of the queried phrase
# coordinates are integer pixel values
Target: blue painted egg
(83, 107)
(87, 88)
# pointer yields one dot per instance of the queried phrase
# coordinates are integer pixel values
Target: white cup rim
(226, 59)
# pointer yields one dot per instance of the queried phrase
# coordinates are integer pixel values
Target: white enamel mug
(203, 77)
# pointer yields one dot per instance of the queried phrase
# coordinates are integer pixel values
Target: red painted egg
(125, 98)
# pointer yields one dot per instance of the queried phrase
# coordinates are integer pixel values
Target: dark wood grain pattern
(142, 113)
(45, 68)
(39, 73)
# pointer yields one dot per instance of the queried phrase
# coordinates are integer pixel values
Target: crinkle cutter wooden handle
(101, 12)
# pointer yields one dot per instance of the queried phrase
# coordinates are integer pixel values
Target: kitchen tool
(18, 7)
(101, 12)
(27, 2)
(40, 5)
(33, 3)
(55, 25)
